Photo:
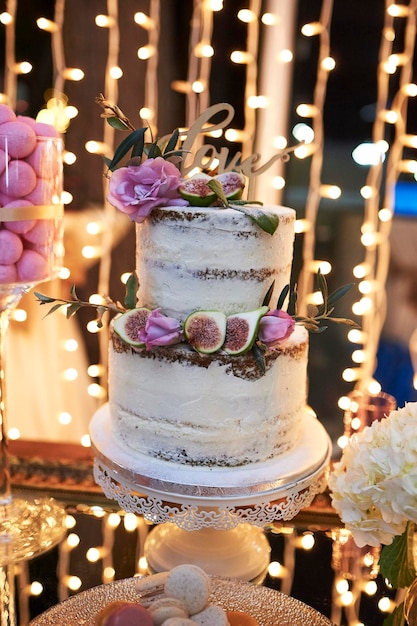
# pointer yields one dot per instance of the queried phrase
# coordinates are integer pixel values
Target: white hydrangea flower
(374, 486)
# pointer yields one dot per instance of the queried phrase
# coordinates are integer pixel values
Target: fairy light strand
(275, 61)
(313, 196)
(10, 75)
(151, 84)
(109, 216)
(251, 89)
(377, 254)
(58, 52)
(199, 66)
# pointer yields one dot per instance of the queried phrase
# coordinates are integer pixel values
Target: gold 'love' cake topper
(159, 173)
(207, 157)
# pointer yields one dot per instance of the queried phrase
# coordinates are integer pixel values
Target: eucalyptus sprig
(75, 304)
(268, 223)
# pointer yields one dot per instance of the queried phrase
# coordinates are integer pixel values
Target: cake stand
(226, 508)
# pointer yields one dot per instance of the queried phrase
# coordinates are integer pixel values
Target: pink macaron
(8, 274)
(45, 159)
(45, 130)
(6, 114)
(120, 613)
(44, 192)
(18, 180)
(43, 233)
(18, 226)
(32, 267)
(27, 120)
(11, 247)
(4, 159)
(18, 139)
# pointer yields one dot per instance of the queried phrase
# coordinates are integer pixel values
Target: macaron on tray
(31, 212)
(180, 597)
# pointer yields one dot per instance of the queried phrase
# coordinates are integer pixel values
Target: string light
(6, 18)
(73, 73)
(316, 189)
(312, 29)
(104, 21)
(48, 25)
(143, 20)
(378, 189)
(241, 57)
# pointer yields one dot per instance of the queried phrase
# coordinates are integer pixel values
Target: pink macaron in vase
(31, 210)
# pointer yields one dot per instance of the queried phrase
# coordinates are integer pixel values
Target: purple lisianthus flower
(160, 330)
(275, 327)
(137, 189)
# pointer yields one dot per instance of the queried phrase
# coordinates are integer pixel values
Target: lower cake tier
(175, 404)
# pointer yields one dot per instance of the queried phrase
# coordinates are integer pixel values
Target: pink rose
(160, 330)
(137, 189)
(275, 327)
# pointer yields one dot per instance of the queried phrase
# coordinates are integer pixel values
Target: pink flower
(160, 330)
(137, 189)
(275, 327)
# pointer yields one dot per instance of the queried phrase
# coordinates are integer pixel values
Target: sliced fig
(233, 184)
(242, 329)
(205, 331)
(129, 324)
(196, 190)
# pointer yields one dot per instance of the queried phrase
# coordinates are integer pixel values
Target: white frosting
(174, 404)
(211, 259)
(182, 411)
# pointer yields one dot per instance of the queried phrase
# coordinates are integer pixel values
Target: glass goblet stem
(5, 486)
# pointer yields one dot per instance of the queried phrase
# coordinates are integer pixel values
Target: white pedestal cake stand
(228, 507)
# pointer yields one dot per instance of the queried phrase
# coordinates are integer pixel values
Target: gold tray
(269, 607)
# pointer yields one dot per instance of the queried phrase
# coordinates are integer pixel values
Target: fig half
(242, 330)
(205, 331)
(196, 190)
(129, 324)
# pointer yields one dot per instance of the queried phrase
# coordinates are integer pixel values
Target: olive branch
(317, 314)
(135, 141)
(75, 304)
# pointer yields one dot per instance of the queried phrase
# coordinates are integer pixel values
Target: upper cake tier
(210, 258)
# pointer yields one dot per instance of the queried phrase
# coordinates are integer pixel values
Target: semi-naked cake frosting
(177, 404)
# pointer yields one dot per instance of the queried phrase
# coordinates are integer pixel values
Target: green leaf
(268, 223)
(268, 295)
(172, 142)
(292, 302)
(153, 151)
(343, 320)
(43, 299)
(339, 293)
(322, 284)
(117, 123)
(132, 286)
(139, 146)
(259, 356)
(53, 308)
(72, 309)
(396, 618)
(216, 186)
(396, 560)
(244, 202)
(284, 293)
(125, 146)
